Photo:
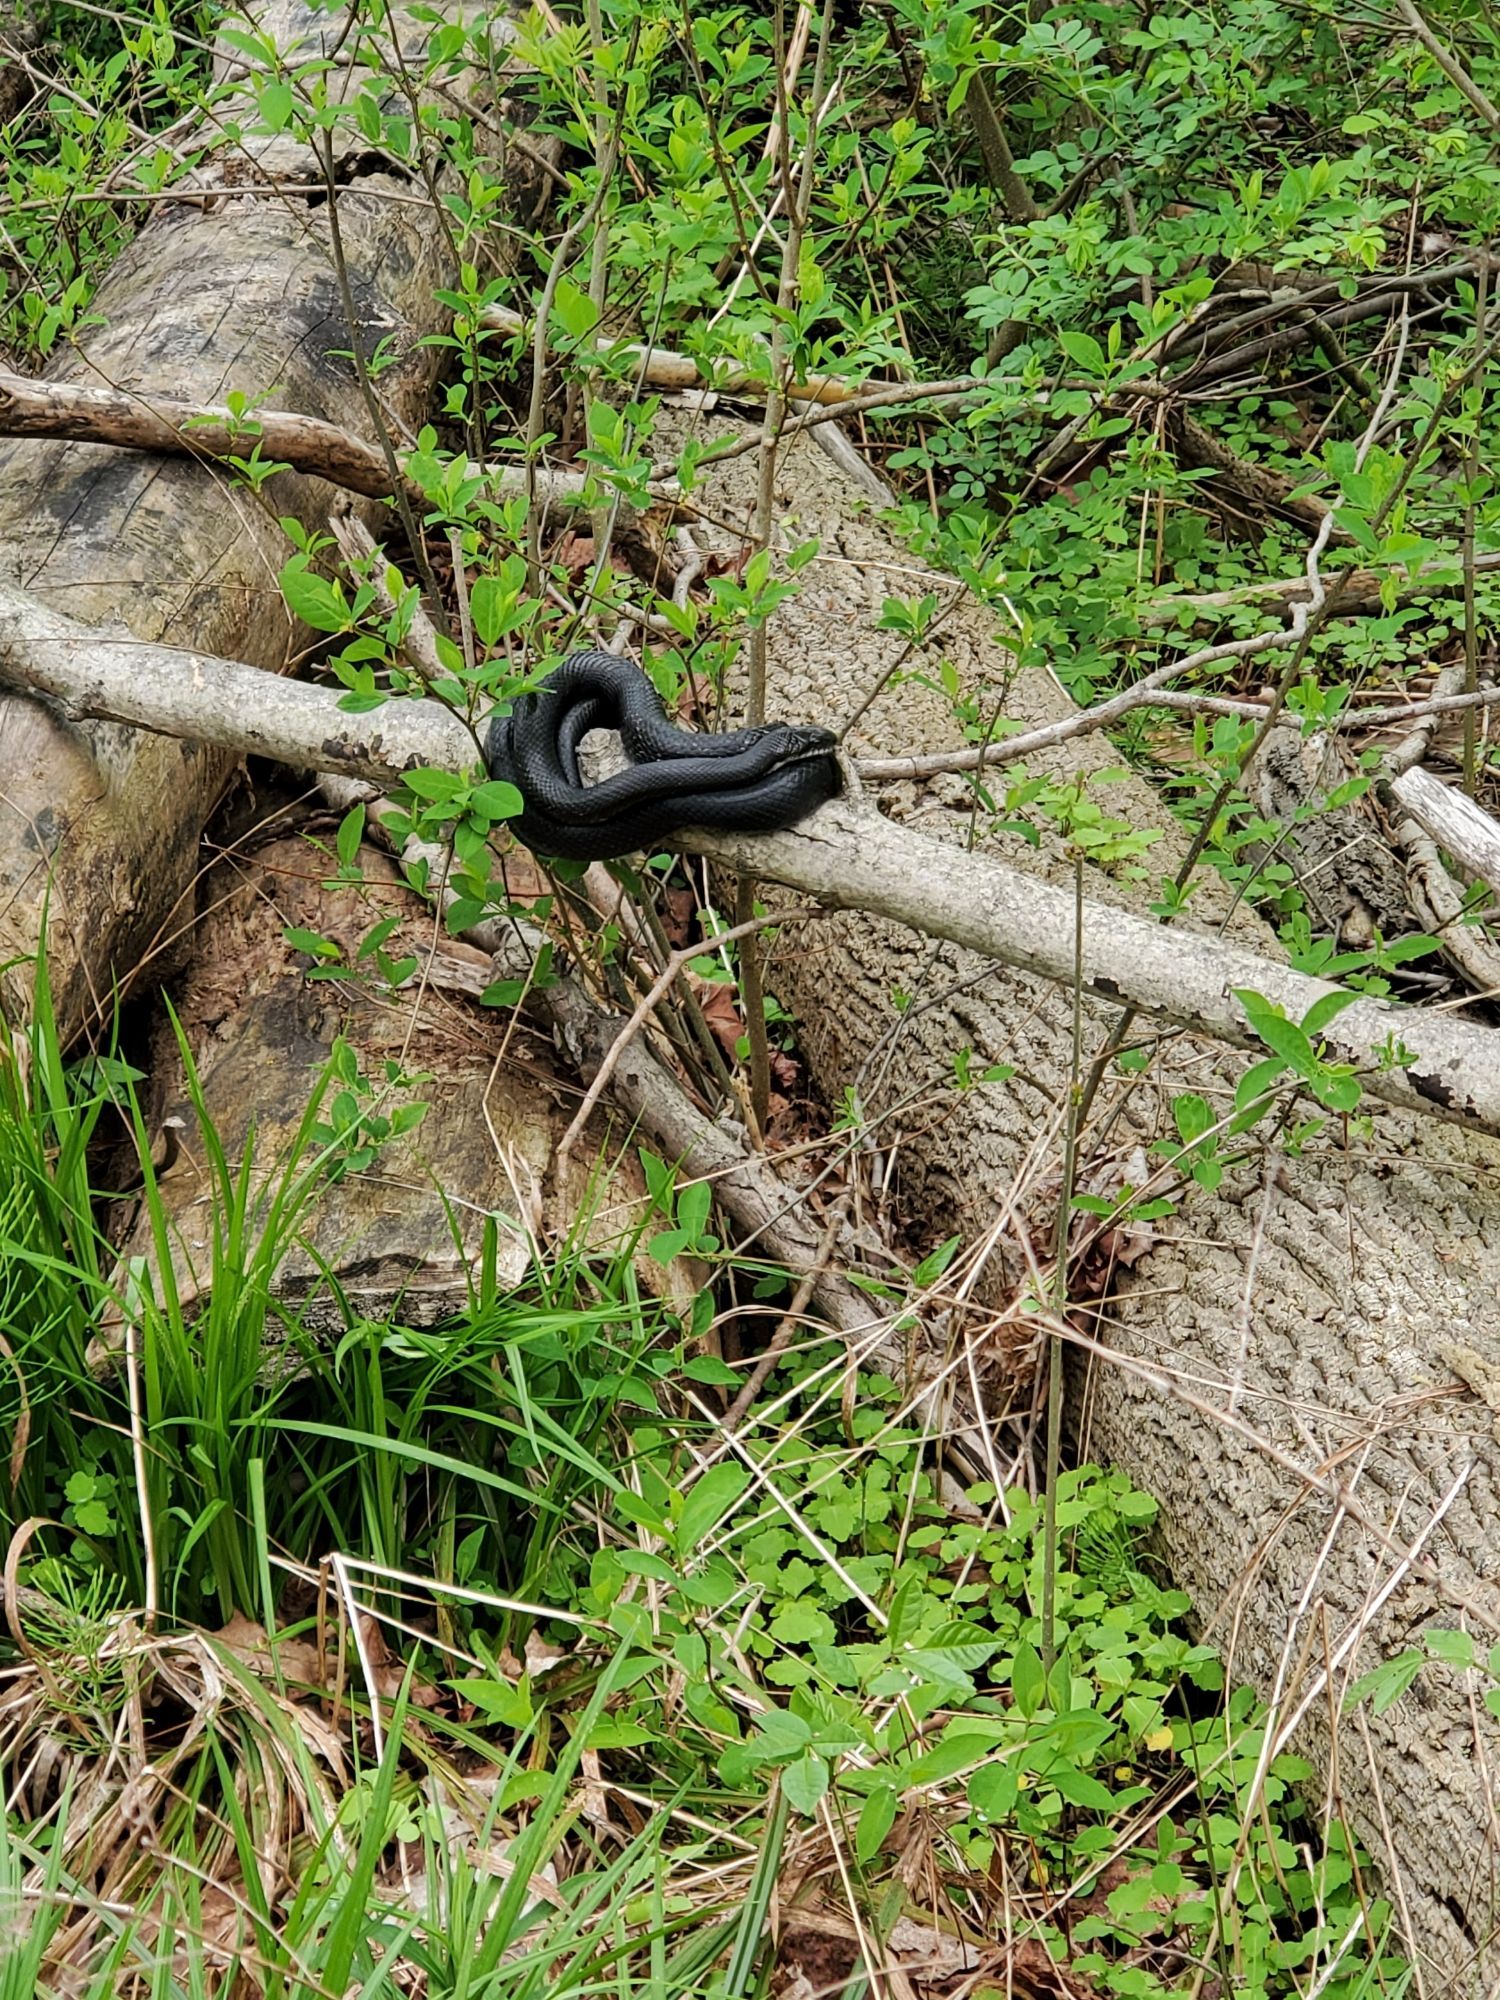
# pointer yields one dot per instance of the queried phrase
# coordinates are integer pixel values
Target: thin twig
(648, 1005)
(1471, 510)
(798, 201)
(792, 1318)
(561, 256)
(1085, 721)
(1448, 63)
(889, 770)
(373, 410)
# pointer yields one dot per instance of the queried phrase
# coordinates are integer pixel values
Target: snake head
(805, 741)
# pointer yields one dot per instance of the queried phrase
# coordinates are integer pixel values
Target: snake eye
(810, 736)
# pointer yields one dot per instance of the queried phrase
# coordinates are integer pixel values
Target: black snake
(746, 781)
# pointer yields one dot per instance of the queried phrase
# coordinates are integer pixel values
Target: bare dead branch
(1454, 821)
(1448, 63)
(844, 856)
(132, 422)
(1361, 593)
(90, 415)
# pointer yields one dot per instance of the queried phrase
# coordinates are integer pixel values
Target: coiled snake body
(747, 781)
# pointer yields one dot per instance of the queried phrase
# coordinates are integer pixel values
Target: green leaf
(707, 1501)
(1280, 1035)
(1083, 349)
(1402, 949)
(956, 1752)
(1339, 1093)
(631, 1620)
(346, 844)
(505, 993)
(489, 602)
(1027, 1682)
(708, 1368)
(995, 1790)
(436, 787)
(805, 1783)
(1387, 1683)
(1192, 1116)
(714, 1584)
(276, 105)
(1321, 1012)
(659, 1179)
(497, 799)
(641, 1562)
(935, 1263)
(379, 934)
(799, 1623)
(1457, 1649)
(1255, 1083)
(502, 1702)
(877, 1817)
(781, 1735)
(906, 1613)
(1080, 1789)
(305, 940)
(693, 1205)
(312, 599)
(958, 1644)
(574, 311)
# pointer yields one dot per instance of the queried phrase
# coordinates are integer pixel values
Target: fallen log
(99, 825)
(1322, 1297)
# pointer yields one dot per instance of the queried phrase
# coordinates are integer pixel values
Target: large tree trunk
(1279, 1370)
(98, 824)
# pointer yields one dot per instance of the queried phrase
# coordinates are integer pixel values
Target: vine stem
(571, 238)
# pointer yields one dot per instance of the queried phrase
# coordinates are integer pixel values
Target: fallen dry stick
(1454, 821)
(132, 422)
(665, 368)
(117, 417)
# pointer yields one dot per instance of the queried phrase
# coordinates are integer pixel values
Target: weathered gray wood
(98, 825)
(1323, 1302)
(403, 1238)
(1455, 822)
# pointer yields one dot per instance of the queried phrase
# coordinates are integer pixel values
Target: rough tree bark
(1325, 1304)
(405, 1238)
(235, 291)
(234, 288)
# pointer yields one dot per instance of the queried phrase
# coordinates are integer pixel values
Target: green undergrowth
(629, 1684)
(625, 1675)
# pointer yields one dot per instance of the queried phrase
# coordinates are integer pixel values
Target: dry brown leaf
(297, 1658)
(543, 1654)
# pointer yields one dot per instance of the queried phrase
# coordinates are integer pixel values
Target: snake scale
(745, 781)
